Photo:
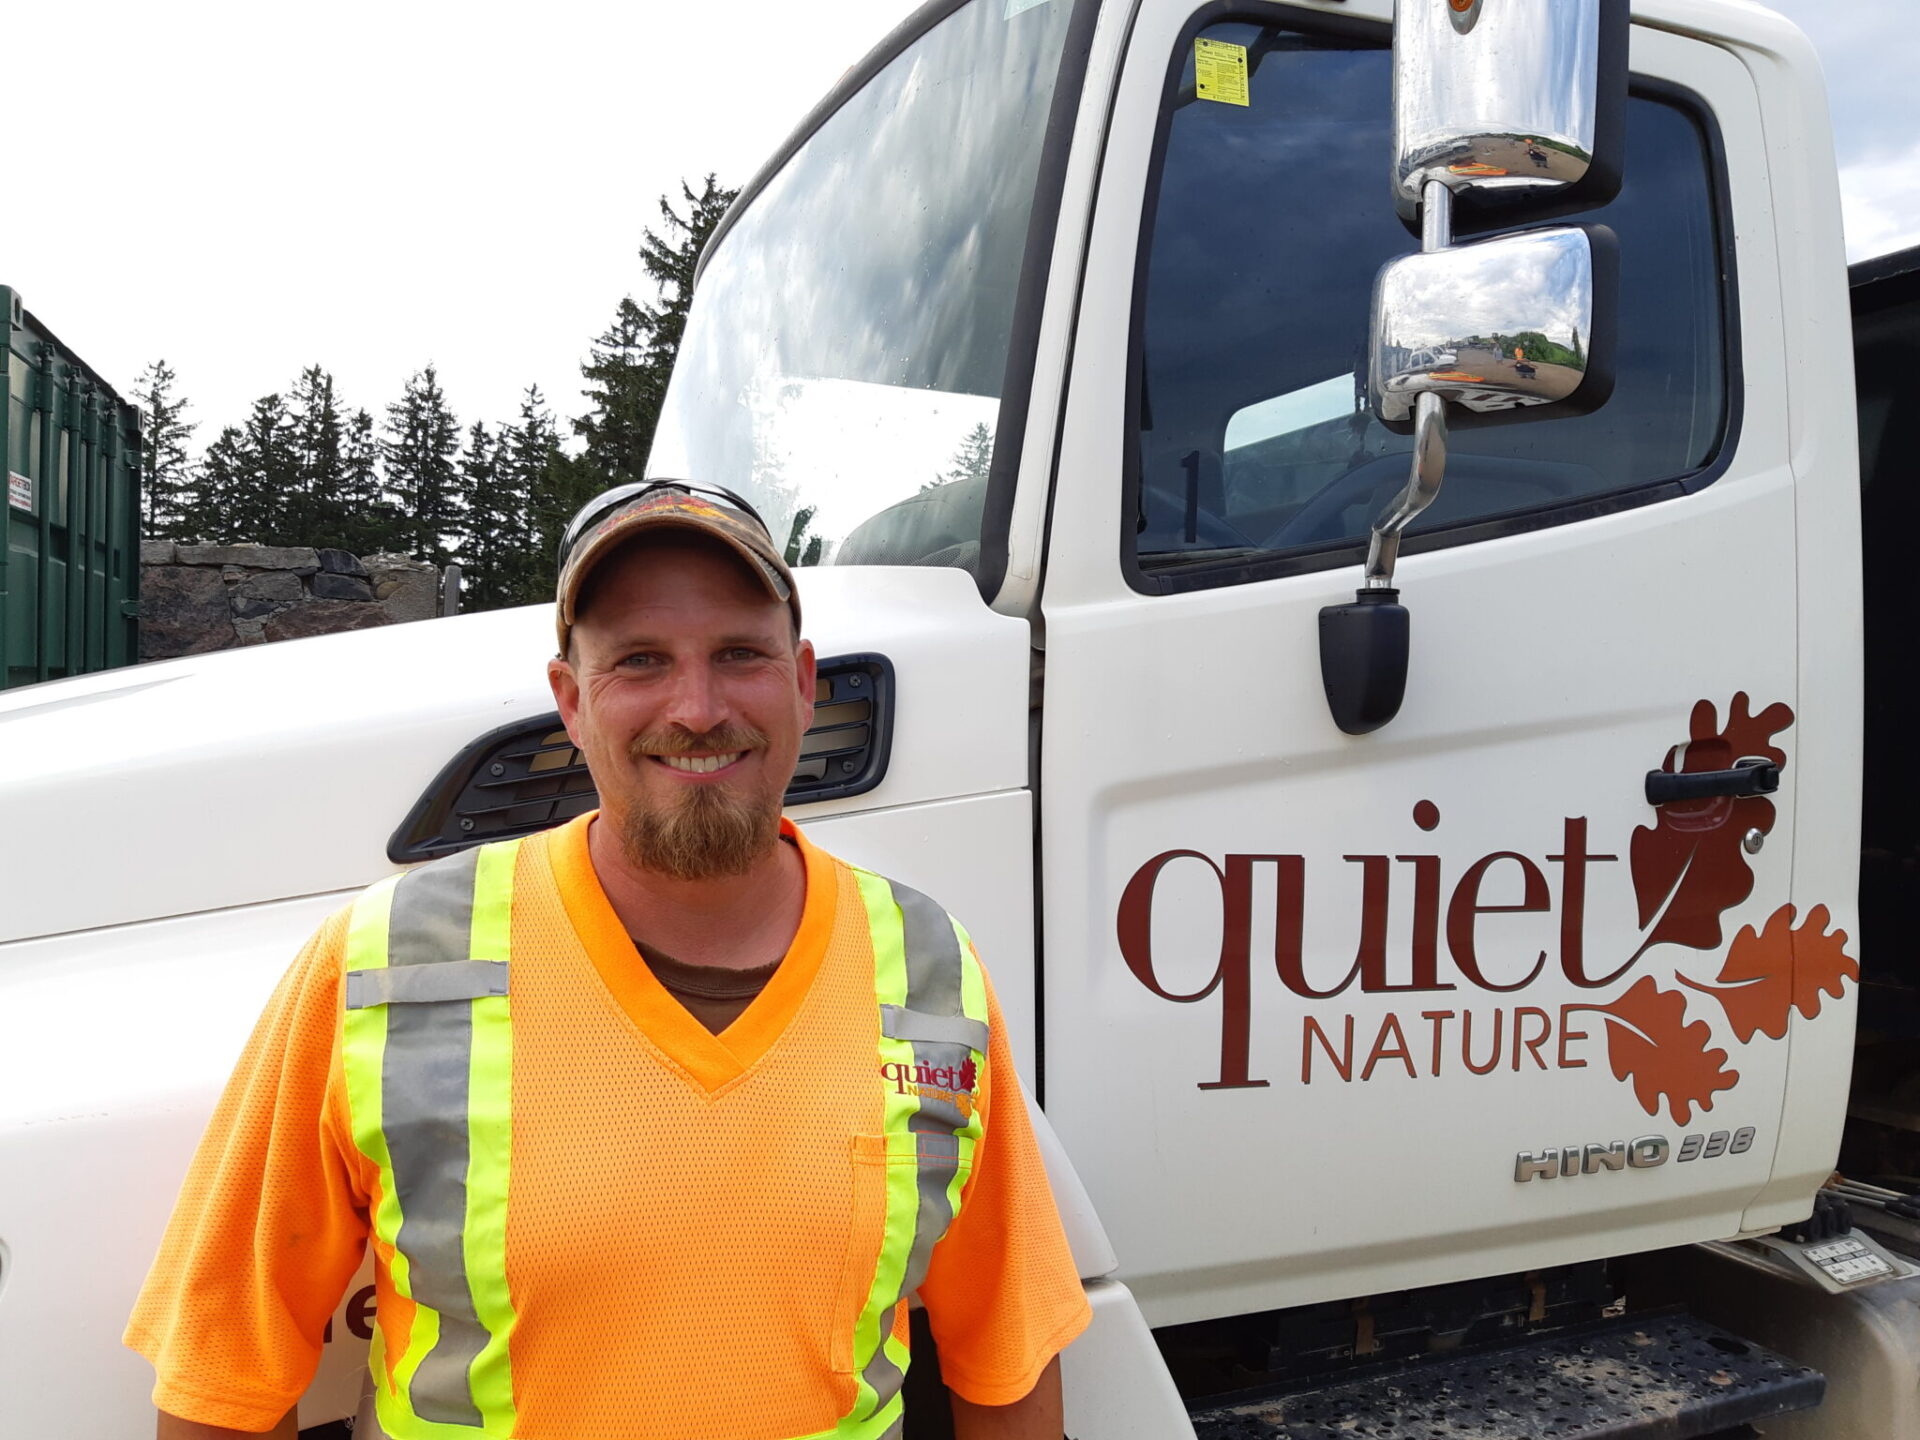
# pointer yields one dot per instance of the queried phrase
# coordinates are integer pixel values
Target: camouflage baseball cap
(609, 520)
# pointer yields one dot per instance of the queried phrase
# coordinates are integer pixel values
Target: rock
(254, 610)
(407, 589)
(281, 585)
(339, 562)
(298, 558)
(183, 612)
(324, 617)
(251, 632)
(156, 552)
(328, 585)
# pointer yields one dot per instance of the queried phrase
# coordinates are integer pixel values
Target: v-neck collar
(711, 1060)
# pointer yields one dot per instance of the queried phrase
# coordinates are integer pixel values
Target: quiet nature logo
(1688, 868)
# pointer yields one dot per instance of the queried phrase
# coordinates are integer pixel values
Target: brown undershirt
(713, 994)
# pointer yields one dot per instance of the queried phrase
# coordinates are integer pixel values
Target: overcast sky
(247, 188)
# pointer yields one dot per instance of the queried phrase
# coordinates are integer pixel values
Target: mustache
(677, 741)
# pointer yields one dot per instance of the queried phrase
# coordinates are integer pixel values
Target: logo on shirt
(951, 1083)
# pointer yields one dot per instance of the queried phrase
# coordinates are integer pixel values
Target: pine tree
(315, 509)
(972, 461)
(266, 477)
(619, 428)
(801, 548)
(167, 472)
(547, 487)
(493, 519)
(422, 438)
(371, 523)
(222, 479)
(632, 362)
(670, 261)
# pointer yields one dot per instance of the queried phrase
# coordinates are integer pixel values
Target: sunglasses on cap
(604, 504)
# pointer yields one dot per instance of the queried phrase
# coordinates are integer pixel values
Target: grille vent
(527, 776)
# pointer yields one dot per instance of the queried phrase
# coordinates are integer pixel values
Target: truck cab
(1050, 326)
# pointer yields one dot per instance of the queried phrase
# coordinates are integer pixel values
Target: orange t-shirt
(692, 1224)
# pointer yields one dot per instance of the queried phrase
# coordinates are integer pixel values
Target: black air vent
(527, 776)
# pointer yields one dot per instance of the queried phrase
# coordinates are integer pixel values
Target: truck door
(1328, 1016)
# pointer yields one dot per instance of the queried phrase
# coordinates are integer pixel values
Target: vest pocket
(866, 1234)
(890, 1174)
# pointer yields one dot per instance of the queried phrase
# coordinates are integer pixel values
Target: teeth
(701, 764)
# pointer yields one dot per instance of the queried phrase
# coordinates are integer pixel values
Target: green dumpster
(70, 567)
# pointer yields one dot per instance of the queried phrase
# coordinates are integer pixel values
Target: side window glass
(1253, 440)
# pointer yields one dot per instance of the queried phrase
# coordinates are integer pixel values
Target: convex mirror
(1511, 104)
(1498, 326)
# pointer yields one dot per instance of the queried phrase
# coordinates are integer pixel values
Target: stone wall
(196, 598)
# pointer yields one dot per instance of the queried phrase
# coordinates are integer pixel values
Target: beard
(710, 831)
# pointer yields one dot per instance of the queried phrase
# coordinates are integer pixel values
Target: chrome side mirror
(1496, 327)
(1509, 104)
(1516, 110)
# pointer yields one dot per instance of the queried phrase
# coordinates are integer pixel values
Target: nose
(697, 702)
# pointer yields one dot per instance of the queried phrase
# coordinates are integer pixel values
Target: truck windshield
(844, 357)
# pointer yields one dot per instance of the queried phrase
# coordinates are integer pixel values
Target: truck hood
(278, 771)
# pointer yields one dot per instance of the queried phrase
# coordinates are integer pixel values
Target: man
(654, 1121)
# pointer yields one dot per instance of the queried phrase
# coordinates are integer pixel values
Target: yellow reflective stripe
(488, 1103)
(363, 1049)
(973, 1001)
(875, 1325)
(490, 1147)
(973, 980)
(875, 1427)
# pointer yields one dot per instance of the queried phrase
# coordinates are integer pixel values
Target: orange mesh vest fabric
(693, 1219)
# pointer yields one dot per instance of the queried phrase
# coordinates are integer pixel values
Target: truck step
(1665, 1375)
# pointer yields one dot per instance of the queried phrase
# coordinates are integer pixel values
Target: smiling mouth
(699, 764)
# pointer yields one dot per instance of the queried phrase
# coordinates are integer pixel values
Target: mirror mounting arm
(1429, 425)
(1423, 486)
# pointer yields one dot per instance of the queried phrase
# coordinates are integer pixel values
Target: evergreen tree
(494, 523)
(619, 428)
(222, 479)
(371, 523)
(670, 261)
(801, 548)
(971, 461)
(546, 487)
(315, 508)
(422, 438)
(167, 473)
(265, 476)
(632, 361)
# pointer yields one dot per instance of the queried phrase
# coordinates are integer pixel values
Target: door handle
(1750, 775)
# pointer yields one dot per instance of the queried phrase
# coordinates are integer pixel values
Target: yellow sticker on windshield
(1220, 71)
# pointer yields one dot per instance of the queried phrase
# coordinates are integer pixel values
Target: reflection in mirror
(1499, 325)
(1502, 98)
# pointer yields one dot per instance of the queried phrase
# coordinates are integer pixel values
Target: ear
(566, 694)
(807, 677)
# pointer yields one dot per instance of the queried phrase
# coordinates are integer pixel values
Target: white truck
(1443, 1028)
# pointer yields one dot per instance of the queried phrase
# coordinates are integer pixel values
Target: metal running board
(1662, 1375)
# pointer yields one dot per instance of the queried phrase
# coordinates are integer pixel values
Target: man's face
(688, 694)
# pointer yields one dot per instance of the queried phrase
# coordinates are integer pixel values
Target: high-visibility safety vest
(428, 1058)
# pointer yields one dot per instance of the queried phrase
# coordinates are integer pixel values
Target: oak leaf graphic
(1688, 866)
(1771, 972)
(1650, 1043)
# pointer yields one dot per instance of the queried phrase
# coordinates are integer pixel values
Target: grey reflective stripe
(423, 1099)
(933, 954)
(899, 1023)
(424, 983)
(934, 981)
